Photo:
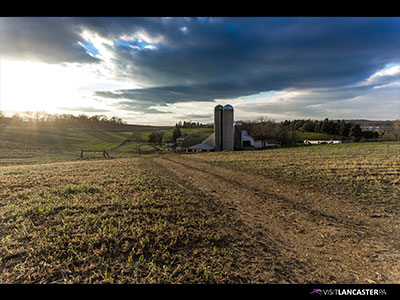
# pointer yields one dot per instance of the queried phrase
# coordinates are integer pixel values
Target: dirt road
(303, 235)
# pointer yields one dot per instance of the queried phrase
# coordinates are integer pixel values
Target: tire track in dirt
(314, 237)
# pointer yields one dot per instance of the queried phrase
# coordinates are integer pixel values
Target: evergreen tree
(324, 126)
(176, 133)
(356, 132)
(317, 127)
(308, 126)
(344, 128)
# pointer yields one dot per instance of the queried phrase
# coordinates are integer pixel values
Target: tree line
(338, 127)
(41, 118)
(190, 124)
(286, 132)
(333, 127)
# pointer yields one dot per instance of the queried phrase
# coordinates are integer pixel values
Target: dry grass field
(369, 172)
(318, 214)
(115, 221)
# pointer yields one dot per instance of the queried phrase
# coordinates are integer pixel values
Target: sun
(29, 86)
(35, 86)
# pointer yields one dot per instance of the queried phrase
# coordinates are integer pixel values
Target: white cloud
(392, 71)
(150, 47)
(151, 39)
(394, 84)
(383, 77)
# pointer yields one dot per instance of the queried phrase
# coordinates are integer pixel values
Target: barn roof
(202, 146)
(210, 140)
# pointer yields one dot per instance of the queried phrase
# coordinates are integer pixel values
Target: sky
(162, 70)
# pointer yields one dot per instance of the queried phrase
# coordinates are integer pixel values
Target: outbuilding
(201, 148)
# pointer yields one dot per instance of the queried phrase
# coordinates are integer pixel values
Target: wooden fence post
(105, 153)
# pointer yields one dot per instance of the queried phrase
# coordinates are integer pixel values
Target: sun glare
(28, 86)
(34, 86)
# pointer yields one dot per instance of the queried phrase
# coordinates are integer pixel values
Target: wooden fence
(105, 153)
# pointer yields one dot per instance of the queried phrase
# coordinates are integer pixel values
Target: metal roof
(202, 147)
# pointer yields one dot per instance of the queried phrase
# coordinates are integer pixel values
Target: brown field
(319, 214)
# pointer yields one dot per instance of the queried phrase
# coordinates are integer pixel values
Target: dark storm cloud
(233, 57)
(50, 40)
(313, 51)
(185, 93)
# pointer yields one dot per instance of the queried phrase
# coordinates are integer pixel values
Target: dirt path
(306, 236)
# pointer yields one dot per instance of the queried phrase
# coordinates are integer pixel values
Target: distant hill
(364, 122)
(28, 143)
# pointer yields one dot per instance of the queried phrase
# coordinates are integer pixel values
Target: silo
(218, 127)
(237, 135)
(227, 128)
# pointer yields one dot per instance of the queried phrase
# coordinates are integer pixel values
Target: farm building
(184, 143)
(308, 142)
(370, 128)
(227, 136)
(169, 143)
(246, 140)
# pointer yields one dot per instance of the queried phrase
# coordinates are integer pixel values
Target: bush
(156, 137)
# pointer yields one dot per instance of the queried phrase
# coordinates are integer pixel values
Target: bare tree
(265, 129)
(156, 137)
(2, 117)
(396, 130)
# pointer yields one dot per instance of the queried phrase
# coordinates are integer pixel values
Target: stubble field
(369, 172)
(319, 214)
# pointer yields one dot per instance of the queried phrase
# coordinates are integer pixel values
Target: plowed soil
(303, 235)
